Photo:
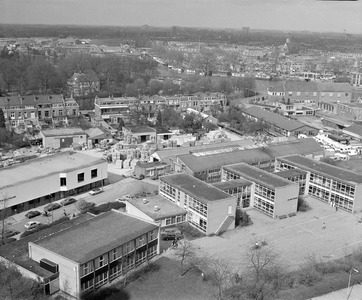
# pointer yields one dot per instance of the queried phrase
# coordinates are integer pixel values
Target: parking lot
(294, 238)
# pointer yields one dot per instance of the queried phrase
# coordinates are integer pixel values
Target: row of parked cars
(48, 208)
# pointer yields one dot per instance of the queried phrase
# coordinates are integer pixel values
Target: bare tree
(265, 270)
(185, 252)
(3, 216)
(222, 275)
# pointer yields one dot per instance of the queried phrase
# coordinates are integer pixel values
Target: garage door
(66, 142)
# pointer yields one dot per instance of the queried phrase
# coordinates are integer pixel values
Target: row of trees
(117, 75)
(22, 73)
(260, 277)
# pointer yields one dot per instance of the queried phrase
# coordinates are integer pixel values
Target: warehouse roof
(257, 175)
(194, 187)
(274, 119)
(214, 161)
(322, 168)
(45, 166)
(96, 236)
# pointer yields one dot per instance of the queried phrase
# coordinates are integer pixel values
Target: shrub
(104, 293)
(242, 218)
(44, 226)
(302, 204)
(84, 206)
(308, 275)
(106, 207)
(189, 231)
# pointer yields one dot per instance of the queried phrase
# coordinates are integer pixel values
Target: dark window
(63, 181)
(80, 177)
(94, 173)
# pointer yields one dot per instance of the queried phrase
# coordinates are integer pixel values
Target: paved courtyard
(295, 237)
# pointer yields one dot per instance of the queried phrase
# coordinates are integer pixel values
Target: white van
(342, 157)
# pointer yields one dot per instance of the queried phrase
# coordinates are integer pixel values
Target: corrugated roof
(96, 236)
(63, 131)
(259, 176)
(194, 187)
(273, 118)
(355, 128)
(216, 161)
(322, 168)
(45, 166)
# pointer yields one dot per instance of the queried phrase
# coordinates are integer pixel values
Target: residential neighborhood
(178, 162)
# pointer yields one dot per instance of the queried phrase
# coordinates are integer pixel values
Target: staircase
(225, 225)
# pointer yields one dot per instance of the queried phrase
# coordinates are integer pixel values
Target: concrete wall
(286, 200)
(358, 199)
(134, 211)
(217, 211)
(68, 270)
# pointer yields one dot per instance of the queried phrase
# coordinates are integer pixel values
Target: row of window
(265, 192)
(264, 206)
(175, 220)
(198, 207)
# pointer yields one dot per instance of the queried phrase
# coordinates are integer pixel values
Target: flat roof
(166, 207)
(194, 187)
(259, 176)
(42, 167)
(62, 131)
(290, 173)
(96, 236)
(18, 251)
(231, 184)
(328, 170)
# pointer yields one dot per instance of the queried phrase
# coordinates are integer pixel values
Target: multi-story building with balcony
(209, 209)
(113, 109)
(95, 252)
(326, 182)
(48, 108)
(270, 194)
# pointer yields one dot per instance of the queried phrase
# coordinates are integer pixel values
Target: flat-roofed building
(156, 209)
(43, 180)
(270, 194)
(63, 137)
(206, 164)
(209, 209)
(295, 175)
(94, 252)
(326, 182)
(239, 188)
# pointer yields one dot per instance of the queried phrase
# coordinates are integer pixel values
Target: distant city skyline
(293, 15)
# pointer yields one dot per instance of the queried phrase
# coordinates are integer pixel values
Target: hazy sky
(309, 15)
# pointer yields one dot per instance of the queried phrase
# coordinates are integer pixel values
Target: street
(111, 192)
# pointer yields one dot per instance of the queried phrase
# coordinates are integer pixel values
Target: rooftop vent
(144, 201)
(156, 208)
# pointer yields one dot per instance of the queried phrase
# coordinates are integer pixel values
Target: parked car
(95, 191)
(52, 206)
(68, 201)
(32, 225)
(32, 214)
(10, 233)
(171, 234)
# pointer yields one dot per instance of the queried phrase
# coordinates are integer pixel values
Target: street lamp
(349, 281)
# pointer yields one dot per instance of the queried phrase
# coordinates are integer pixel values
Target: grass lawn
(166, 284)
(329, 283)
